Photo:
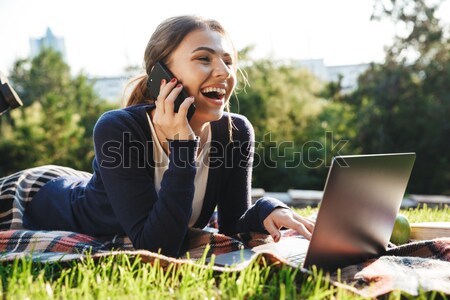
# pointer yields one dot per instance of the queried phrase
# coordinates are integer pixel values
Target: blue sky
(104, 36)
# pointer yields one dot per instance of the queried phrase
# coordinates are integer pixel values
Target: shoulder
(242, 129)
(120, 119)
(239, 122)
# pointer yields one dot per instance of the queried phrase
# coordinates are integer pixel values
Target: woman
(155, 174)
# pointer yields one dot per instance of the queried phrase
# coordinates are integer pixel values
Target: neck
(199, 126)
(199, 129)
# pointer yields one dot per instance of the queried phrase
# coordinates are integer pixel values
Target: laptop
(361, 199)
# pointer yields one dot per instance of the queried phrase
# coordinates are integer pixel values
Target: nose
(222, 70)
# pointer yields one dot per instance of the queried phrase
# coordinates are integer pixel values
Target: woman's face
(204, 64)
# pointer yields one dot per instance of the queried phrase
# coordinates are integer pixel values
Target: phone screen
(160, 72)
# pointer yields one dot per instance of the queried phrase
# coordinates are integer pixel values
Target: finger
(166, 88)
(297, 226)
(184, 107)
(273, 231)
(311, 219)
(290, 232)
(165, 91)
(308, 223)
(160, 98)
(170, 100)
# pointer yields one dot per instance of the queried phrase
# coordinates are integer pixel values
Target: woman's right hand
(285, 217)
(174, 126)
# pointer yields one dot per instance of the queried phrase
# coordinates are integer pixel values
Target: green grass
(423, 213)
(123, 277)
(427, 214)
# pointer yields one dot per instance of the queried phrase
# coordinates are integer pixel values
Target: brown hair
(166, 38)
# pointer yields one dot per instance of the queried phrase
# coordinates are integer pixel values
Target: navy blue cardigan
(120, 198)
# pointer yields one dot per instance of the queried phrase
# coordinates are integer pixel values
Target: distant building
(315, 66)
(110, 88)
(349, 73)
(48, 41)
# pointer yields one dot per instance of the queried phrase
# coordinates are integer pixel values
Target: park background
(401, 103)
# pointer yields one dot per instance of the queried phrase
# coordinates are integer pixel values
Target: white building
(110, 88)
(48, 41)
(349, 73)
(315, 66)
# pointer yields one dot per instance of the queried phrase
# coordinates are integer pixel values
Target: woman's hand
(283, 217)
(174, 126)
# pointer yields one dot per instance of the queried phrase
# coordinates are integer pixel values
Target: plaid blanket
(413, 267)
(419, 265)
(49, 246)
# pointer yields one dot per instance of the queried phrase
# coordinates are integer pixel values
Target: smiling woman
(155, 172)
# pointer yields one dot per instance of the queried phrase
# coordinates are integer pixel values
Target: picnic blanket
(423, 265)
(418, 265)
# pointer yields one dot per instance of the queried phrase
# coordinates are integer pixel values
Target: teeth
(214, 89)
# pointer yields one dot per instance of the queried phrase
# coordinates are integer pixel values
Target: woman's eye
(204, 58)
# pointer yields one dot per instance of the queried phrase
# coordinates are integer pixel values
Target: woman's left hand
(284, 217)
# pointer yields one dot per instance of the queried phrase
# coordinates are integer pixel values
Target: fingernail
(163, 81)
(179, 85)
(173, 80)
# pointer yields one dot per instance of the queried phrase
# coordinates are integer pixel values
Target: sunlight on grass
(427, 214)
(124, 277)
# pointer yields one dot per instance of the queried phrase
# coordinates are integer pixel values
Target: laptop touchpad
(286, 247)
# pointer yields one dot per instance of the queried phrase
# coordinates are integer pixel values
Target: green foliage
(297, 131)
(55, 125)
(403, 104)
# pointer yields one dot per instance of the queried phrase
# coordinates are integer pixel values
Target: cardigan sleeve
(155, 222)
(235, 210)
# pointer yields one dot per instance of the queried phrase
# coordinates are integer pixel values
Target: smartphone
(160, 72)
(8, 97)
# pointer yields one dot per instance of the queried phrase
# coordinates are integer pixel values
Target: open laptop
(361, 199)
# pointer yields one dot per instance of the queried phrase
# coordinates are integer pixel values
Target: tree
(281, 101)
(404, 103)
(55, 125)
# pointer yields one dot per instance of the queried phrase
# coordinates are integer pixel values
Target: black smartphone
(160, 72)
(8, 97)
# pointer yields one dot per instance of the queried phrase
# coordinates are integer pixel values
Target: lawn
(126, 278)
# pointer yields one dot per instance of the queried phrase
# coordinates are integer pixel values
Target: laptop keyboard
(297, 259)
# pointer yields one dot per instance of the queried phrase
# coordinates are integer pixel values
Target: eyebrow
(204, 48)
(210, 50)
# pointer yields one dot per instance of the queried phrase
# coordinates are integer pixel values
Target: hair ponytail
(139, 92)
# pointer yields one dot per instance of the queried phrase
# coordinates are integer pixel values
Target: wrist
(188, 136)
(183, 152)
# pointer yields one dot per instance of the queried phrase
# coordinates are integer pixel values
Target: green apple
(402, 230)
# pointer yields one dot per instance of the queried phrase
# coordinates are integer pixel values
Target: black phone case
(160, 72)
(8, 97)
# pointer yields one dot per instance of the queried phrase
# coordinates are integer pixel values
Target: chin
(209, 116)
